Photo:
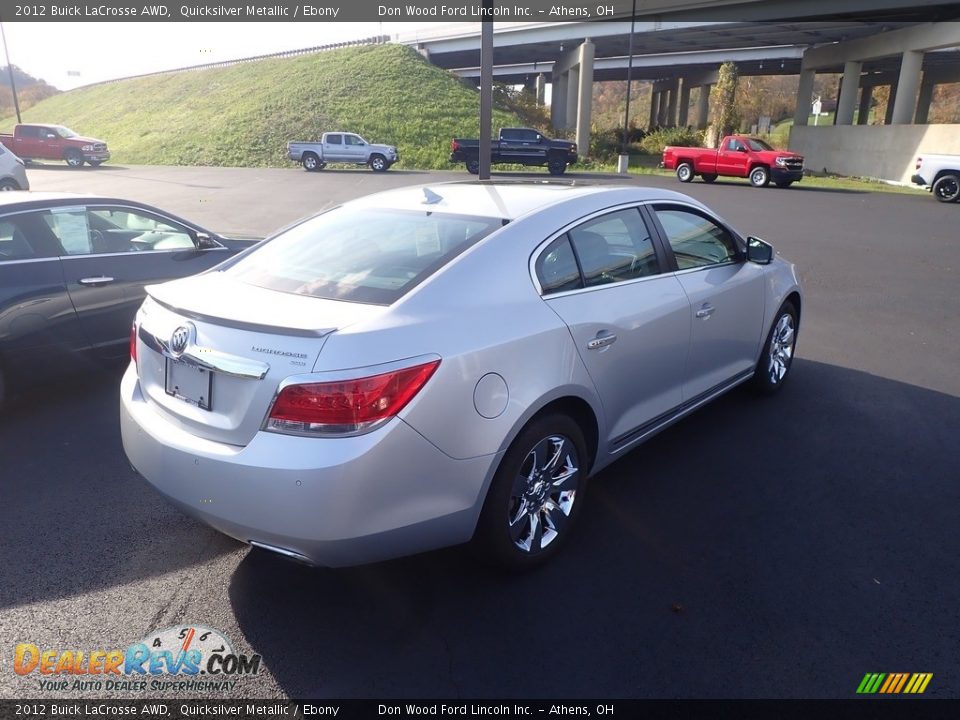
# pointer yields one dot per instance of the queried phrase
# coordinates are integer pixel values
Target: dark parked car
(72, 273)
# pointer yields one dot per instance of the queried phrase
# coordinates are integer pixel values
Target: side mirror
(205, 242)
(758, 251)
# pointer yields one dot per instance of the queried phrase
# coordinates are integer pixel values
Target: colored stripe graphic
(894, 683)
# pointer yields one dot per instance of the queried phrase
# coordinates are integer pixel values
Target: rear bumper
(917, 180)
(330, 501)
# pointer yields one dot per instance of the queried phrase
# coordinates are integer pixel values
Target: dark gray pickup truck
(517, 146)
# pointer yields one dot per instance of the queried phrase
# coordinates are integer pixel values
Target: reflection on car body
(73, 270)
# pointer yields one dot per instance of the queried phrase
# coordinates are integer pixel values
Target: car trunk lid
(212, 351)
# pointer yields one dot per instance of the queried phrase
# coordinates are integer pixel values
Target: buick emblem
(180, 339)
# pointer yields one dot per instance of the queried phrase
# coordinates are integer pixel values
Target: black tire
(310, 162)
(760, 176)
(499, 541)
(685, 172)
(378, 163)
(773, 367)
(946, 188)
(95, 163)
(74, 158)
(473, 167)
(8, 185)
(784, 183)
(709, 177)
(557, 167)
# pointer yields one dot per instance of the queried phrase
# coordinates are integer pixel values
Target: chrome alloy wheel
(543, 494)
(781, 348)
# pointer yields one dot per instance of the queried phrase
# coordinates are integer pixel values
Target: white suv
(941, 174)
(13, 173)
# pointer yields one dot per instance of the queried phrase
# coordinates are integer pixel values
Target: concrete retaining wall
(888, 152)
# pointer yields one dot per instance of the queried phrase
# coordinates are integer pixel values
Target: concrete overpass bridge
(678, 45)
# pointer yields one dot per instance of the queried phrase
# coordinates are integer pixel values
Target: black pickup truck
(517, 146)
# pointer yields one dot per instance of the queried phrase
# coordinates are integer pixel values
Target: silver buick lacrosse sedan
(434, 365)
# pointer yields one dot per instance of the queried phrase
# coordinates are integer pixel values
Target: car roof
(46, 199)
(501, 199)
(38, 200)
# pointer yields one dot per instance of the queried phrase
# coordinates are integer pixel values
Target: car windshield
(757, 145)
(361, 254)
(64, 132)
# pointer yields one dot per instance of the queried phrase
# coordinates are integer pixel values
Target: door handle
(94, 281)
(706, 311)
(601, 341)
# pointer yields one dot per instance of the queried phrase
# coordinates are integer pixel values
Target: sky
(68, 55)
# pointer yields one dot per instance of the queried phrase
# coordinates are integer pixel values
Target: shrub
(657, 140)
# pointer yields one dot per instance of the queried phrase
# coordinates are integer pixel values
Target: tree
(723, 100)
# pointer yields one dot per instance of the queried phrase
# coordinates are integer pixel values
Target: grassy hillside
(244, 115)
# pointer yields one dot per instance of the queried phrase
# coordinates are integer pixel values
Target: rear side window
(361, 255)
(334, 139)
(557, 268)
(14, 243)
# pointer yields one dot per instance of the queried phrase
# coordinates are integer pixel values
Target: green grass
(243, 115)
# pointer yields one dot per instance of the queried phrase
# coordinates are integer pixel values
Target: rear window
(361, 255)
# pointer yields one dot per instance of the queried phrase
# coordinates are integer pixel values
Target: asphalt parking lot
(781, 547)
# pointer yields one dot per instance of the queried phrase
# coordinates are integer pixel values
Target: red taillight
(347, 406)
(919, 163)
(454, 146)
(133, 342)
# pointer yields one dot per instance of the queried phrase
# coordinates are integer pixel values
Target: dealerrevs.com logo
(193, 657)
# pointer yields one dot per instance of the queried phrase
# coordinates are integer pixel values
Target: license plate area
(189, 383)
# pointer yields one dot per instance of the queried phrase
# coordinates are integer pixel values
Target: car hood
(86, 140)
(378, 146)
(774, 154)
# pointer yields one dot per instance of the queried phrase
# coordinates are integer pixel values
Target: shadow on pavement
(776, 547)
(74, 516)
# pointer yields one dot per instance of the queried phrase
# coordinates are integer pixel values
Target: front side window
(64, 132)
(91, 231)
(354, 140)
(70, 227)
(758, 145)
(734, 145)
(696, 240)
(123, 229)
(364, 255)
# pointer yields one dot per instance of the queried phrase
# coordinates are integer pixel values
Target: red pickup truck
(737, 156)
(54, 142)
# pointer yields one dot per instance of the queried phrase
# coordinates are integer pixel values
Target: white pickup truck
(941, 174)
(342, 147)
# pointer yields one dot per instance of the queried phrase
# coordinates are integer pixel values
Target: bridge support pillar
(703, 107)
(863, 111)
(907, 85)
(804, 97)
(572, 106)
(848, 92)
(684, 108)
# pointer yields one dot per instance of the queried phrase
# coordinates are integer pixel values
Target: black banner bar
(454, 11)
(166, 709)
